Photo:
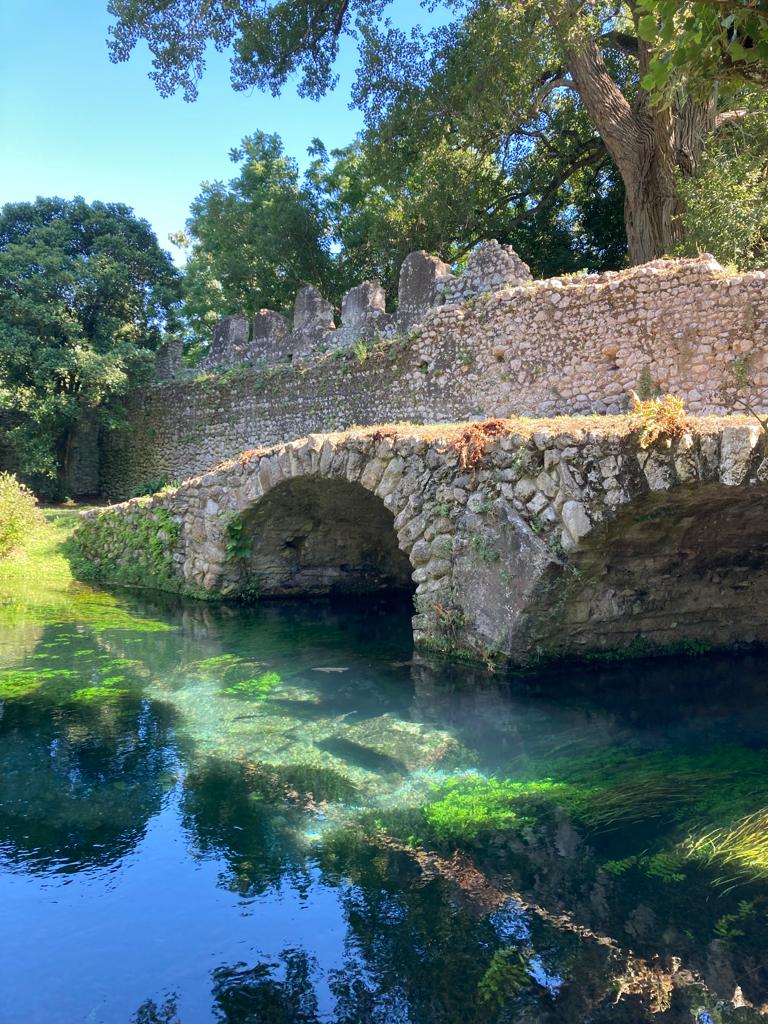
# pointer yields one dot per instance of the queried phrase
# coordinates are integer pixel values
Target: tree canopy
(498, 79)
(253, 241)
(87, 296)
(701, 41)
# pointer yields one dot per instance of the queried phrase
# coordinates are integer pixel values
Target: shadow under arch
(677, 568)
(322, 536)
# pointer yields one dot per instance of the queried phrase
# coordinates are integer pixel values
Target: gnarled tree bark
(649, 144)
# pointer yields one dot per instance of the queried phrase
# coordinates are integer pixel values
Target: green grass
(741, 847)
(37, 584)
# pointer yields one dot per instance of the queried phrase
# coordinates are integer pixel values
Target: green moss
(135, 548)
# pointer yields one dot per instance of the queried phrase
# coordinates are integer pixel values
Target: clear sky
(72, 123)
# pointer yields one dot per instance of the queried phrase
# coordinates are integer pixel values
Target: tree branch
(622, 41)
(547, 88)
(731, 117)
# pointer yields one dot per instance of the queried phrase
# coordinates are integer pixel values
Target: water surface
(252, 815)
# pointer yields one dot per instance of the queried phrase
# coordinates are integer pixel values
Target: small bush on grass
(18, 514)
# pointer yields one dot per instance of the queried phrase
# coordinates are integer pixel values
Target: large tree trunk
(649, 145)
(64, 460)
(652, 207)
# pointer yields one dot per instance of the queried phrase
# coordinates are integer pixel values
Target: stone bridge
(517, 539)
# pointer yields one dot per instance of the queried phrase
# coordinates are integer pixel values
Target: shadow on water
(279, 814)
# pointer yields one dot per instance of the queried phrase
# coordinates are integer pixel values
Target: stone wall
(83, 479)
(522, 539)
(564, 345)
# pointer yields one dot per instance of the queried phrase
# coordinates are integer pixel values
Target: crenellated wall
(536, 348)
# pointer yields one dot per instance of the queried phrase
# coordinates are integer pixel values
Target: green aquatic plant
(258, 688)
(664, 866)
(21, 682)
(741, 846)
(219, 661)
(506, 976)
(728, 927)
(18, 684)
(470, 804)
(97, 695)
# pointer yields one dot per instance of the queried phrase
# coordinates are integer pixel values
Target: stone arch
(321, 535)
(686, 566)
(323, 501)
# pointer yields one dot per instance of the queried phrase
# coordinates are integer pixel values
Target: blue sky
(72, 123)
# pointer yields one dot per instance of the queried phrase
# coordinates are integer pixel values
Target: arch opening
(689, 566)
(323, 537)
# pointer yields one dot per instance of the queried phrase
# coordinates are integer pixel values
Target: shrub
(657, 419)
(18, 513)
(147, 487)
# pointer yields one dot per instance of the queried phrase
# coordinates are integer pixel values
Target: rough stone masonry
(521, 539)
(502, 345)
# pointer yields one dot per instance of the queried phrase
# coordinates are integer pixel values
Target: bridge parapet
(522, 538)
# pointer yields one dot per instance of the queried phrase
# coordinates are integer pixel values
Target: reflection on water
(279, 815)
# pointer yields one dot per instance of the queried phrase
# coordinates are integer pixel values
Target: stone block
(270, 342)
(737, 445)
(312, 314)
(422, 281)
(230, 343)
(363, 314)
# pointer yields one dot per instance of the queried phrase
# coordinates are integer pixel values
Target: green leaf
(646, 28)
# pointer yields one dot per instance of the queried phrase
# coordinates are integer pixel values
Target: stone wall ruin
(567, 345)
(425, 282)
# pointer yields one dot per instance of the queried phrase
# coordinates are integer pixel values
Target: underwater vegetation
(242, 676)
(467, 805)
(97, 694)
(25, 681)
(725, 787)
(741, 846)
(258, 688)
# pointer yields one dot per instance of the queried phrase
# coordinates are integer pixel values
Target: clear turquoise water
(206, 812)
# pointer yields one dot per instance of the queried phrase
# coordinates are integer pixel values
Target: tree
(87, 294)
(726, 206)
(507, 63)
(445, 198)
(254, 241)
(701, 41)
